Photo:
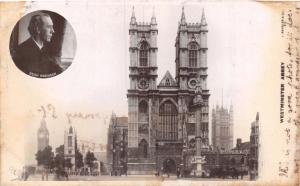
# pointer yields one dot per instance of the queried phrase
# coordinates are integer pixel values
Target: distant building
(254, 149)
(98, 150)
(222, 128)
(116, 153)
(243, 147)
(43, 136)
(70, 145)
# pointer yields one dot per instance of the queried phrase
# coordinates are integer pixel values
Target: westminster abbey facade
(170, 117)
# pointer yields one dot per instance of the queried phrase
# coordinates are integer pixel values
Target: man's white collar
(39, 45)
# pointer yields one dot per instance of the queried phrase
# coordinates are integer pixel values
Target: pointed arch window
(70, 130)
(69, 141)
(144, 54)
(168, 121)
(193, 55)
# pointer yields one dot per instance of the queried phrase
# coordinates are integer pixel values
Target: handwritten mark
(80, 115)
(290, 76)
(48, 109)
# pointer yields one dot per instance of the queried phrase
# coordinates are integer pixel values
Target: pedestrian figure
(43, 175)
(66, 175)
(46, 175)
(26, 176)
(178, 172)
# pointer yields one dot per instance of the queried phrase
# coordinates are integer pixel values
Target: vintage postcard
(131, 92)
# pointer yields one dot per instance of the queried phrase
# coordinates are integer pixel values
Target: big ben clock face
(143, 83)
(41, 135)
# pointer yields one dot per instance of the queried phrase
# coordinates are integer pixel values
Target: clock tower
(43, 135)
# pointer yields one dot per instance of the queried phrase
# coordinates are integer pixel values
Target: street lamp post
(113, 162)
(184, 143)
(198, 104)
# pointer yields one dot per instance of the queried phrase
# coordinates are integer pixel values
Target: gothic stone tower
(254, 149)
(162, 118)
(70, 145)
(142, 96)
(222, 128)
(193, 95)
(43, 136)
(191, 77)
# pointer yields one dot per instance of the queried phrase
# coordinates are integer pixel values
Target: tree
(60, 150)
(52, 163)
(39, 157)
(68, 163)
(59, 161)
(45, 157)
(59, 158)
(102, 169)
(78, 159)
(89, 159)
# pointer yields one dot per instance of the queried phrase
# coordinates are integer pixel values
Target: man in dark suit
(33, 56)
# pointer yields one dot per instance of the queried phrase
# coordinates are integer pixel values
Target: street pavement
(51, 177)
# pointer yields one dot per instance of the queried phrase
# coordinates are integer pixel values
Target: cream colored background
(244, 53)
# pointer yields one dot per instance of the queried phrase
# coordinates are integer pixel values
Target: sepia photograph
(157, 93)
(42, 44)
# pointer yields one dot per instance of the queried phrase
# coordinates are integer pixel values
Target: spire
(43, 124)
(133, 15)
(113, 114)
(203, 20)
(113, 118)
(153, 18)
(133, 19)
(182, 21)
(68, 126)
(257, 116)
(222, 99)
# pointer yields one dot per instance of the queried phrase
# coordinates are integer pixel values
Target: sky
(97, 81)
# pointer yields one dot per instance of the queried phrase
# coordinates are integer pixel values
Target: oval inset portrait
(42, 44)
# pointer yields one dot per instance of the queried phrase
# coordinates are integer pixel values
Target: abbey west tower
(165, 118)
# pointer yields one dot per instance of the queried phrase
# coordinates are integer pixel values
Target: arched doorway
(143, 149)
(169, 166)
